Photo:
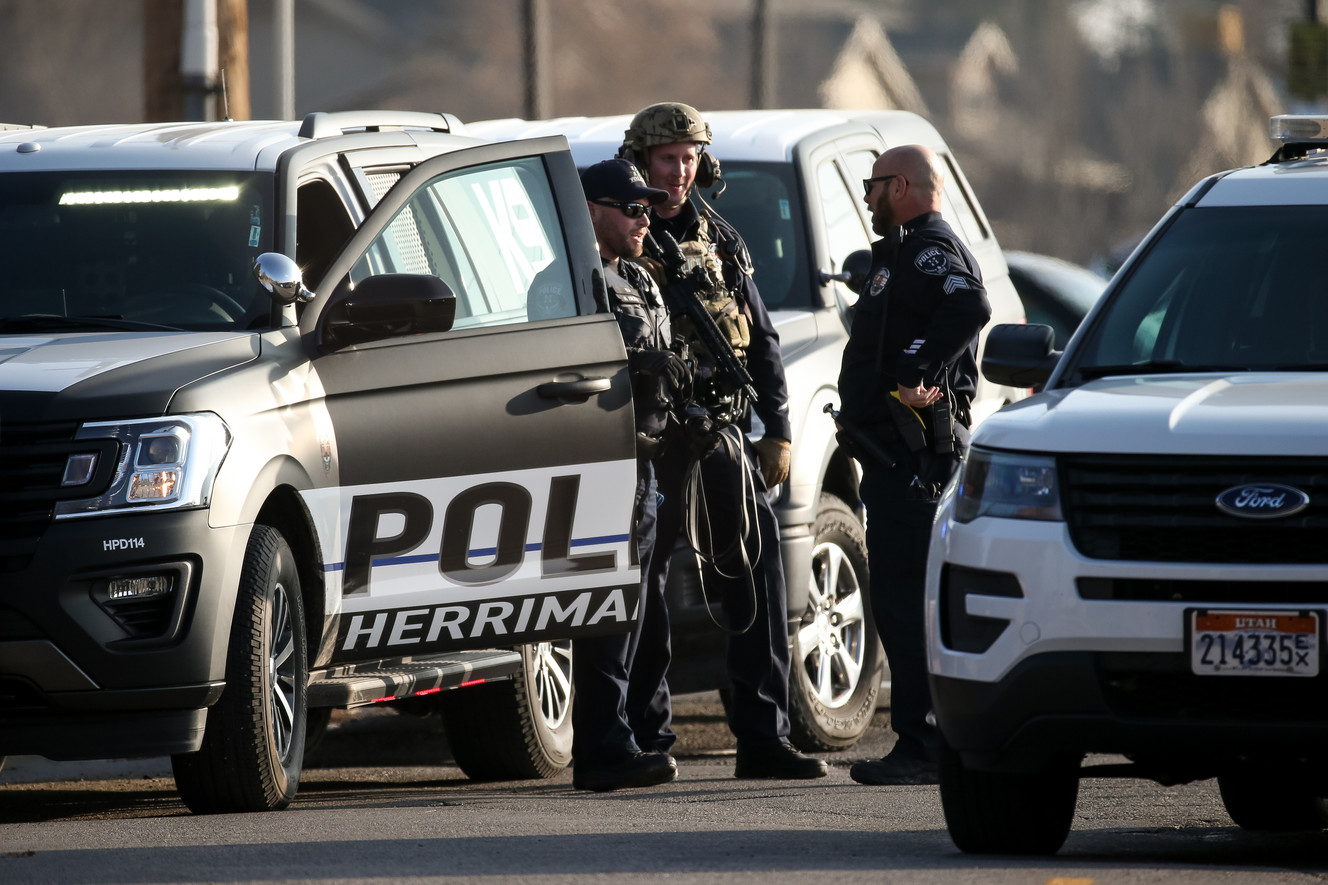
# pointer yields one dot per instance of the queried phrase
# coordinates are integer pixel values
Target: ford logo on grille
(1267, 500)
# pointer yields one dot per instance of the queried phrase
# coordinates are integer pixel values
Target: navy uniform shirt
(934, 303)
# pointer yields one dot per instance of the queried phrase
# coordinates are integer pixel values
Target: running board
(354, 684)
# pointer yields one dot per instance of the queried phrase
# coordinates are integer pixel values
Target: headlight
(1007, 485)
(163, 464)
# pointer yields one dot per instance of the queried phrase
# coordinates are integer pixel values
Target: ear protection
(707, 170)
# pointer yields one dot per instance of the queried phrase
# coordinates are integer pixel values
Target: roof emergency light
(1298, 128)
(225, 194)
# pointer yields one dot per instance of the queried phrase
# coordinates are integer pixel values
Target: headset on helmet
(670, 122)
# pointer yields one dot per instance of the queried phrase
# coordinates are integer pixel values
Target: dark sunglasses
(868, 182)
(631, 210)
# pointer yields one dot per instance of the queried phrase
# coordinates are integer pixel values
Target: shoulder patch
(932, 260)
(878, 281)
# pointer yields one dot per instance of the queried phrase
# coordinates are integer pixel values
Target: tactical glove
(773, 453)
(663, 364)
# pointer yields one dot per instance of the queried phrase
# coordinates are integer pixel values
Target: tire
(519, 728)
(837, 661)
(989, 812)
(1271, 801)
(253, 746)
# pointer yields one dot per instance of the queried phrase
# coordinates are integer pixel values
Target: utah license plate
(1254, 643)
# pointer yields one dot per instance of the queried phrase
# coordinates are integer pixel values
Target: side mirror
(1019, 354)
(857, 265)
(854, 274)
(388, 305)
(281, 276)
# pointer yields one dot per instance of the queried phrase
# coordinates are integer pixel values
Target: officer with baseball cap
(605, 755)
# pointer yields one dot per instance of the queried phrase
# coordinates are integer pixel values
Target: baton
(862, 441)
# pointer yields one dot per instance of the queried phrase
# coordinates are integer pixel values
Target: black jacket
(929, 288)
(644, 321)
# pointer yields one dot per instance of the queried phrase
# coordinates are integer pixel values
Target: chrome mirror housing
(280, 275)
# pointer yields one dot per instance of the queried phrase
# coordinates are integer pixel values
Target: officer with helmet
(735, 533)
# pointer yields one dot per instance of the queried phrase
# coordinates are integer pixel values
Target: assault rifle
(683, 291)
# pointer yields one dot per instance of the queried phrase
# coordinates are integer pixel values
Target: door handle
(578, 391)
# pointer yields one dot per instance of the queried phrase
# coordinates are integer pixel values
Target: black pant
(898, 532)
(750, 595)
(600, 731)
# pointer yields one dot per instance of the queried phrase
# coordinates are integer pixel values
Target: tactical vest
(730, 316)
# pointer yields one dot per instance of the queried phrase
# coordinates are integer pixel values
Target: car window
(1223, 287)
(322, 227)
(167, 247)
(959, 204)
(845, 232)
(761, 200)
(860, 164)
(489, 231)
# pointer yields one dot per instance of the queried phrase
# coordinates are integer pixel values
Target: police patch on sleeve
(878, 281)
(932, 261)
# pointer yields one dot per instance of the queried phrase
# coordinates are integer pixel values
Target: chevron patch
(953, 282)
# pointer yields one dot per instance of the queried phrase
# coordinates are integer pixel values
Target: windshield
(170, 250)
(761, 200)
(1220, 289)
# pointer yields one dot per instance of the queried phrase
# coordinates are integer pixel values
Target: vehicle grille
(1163, 509)
(1172, 692)
(1218, 592)
(32, 464)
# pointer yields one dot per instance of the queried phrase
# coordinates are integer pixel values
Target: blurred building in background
(1078, 121)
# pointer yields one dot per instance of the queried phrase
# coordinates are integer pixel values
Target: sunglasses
(631, 210)
(868, 182)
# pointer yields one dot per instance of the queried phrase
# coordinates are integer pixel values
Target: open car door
(481, 414)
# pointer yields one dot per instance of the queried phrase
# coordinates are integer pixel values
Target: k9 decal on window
(489, 231)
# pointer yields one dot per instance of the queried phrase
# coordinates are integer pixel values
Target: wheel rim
(281, 670)
(831, 638)
(552, 671)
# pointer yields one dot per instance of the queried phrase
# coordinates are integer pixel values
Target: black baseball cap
(620, 180)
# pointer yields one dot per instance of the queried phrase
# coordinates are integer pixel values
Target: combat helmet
(669, 122)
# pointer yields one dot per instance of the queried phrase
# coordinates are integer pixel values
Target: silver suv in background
(792, 186)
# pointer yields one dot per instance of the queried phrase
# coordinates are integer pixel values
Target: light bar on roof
(1298, 128)
(163, 195)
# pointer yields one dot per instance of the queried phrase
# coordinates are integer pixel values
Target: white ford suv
(1135, 560)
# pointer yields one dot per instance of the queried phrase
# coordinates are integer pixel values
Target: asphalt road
(380, 803)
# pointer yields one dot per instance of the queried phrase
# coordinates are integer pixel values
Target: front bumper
(84, 676)
(1145, 706)
(1035, 650)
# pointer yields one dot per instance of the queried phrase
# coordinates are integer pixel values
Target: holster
(907, 429)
